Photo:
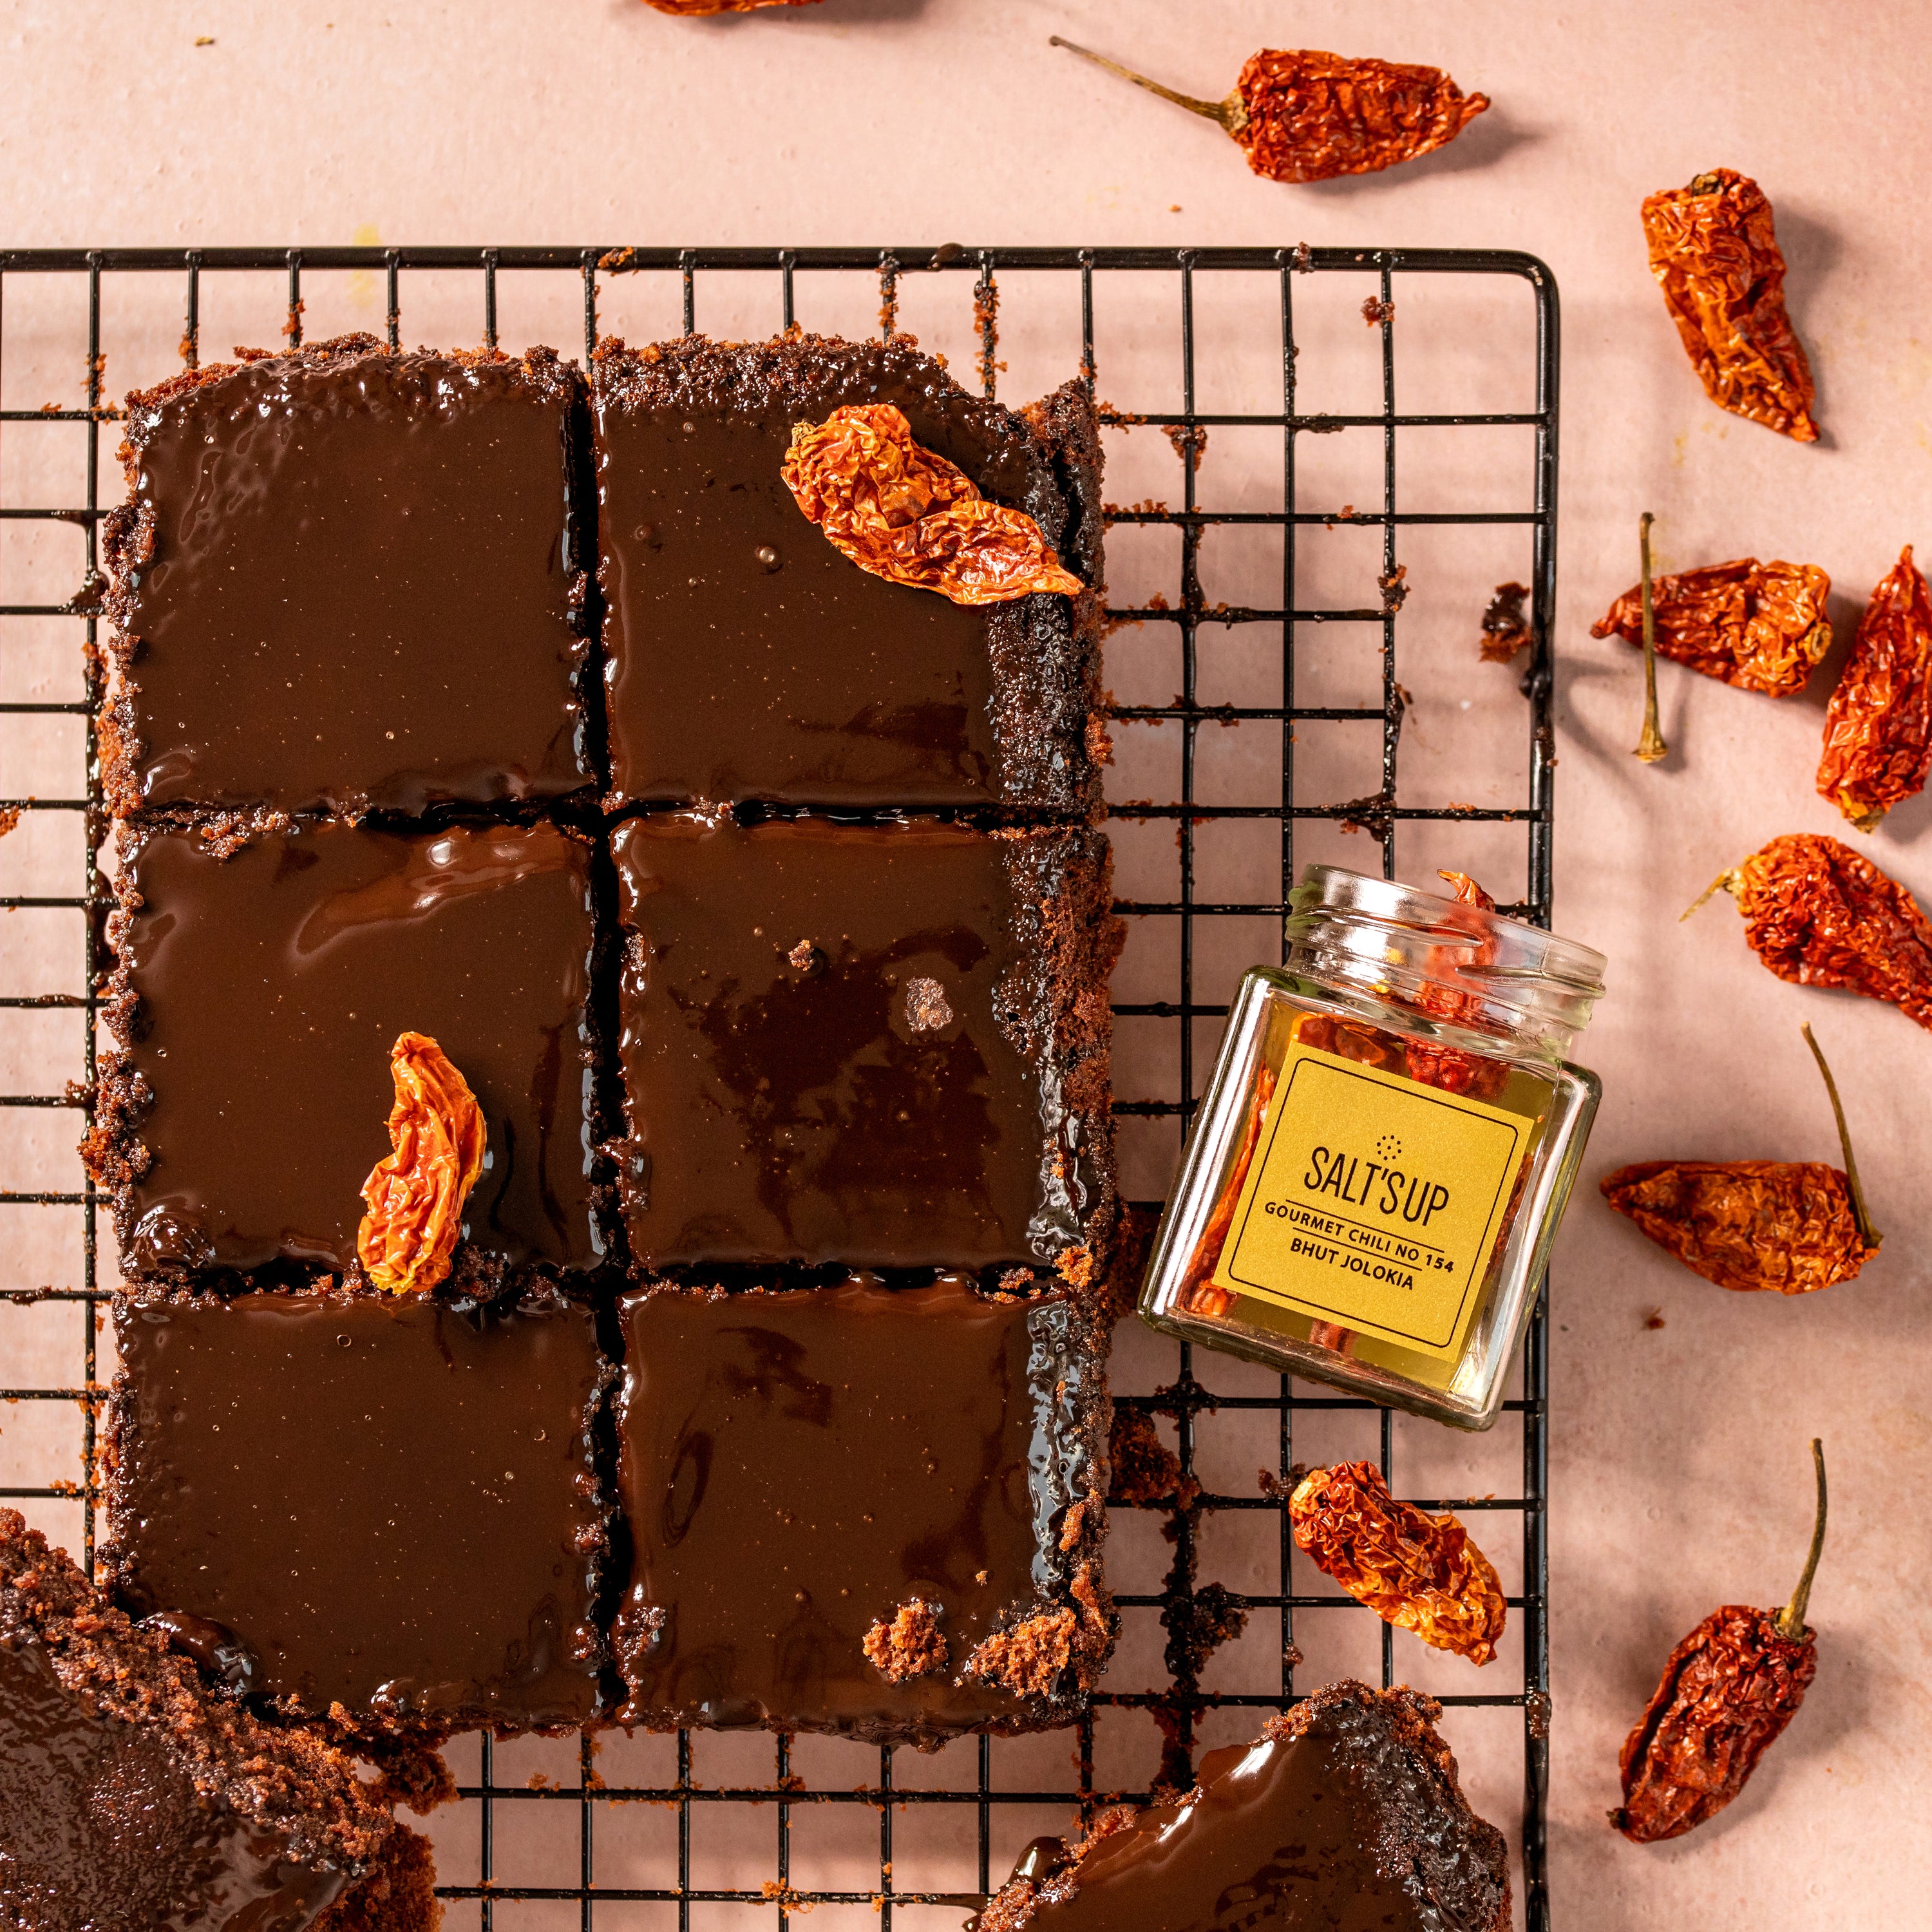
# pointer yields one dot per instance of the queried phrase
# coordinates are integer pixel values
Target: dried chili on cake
(1714, 251)
(1303, 115)
(415, 1195)
(1726, 1693)
(1878, 726)
(1419, 1572)
(901, 512)
(1787, 1227)
(1818, 914)
(1760, 626)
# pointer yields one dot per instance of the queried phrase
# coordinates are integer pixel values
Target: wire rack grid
(56, 973)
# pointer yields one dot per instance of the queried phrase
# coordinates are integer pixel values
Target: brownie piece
(879, 1046)
(861, 1510)
(1346, 1814)
(257, 997)
(345, 578)
(746, 658)
(131, 1795)
(387, 1503)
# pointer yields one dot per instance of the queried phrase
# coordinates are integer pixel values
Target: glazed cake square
(746, 658)
(879, 1045)
(861, 1510)
(389, 1504)
(257, 997)
(346, 579)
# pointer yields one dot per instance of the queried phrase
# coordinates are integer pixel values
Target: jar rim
(1504, 973)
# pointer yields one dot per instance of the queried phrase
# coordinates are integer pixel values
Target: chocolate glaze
(259, 996)
(390, 1503)
(1345, 1816)
(101, 1824)
(218, 1651)
(132, 1796)
(795, 1465)
(747, 659)
(792, 1093)
(343, 581)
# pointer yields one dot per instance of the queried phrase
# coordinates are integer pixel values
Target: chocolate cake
(257, 996)
(132, 1795)
(881, 1045)
(871, 1511)
(389, 1505)
(746, 658)
(346, 579)
(1346, 1815)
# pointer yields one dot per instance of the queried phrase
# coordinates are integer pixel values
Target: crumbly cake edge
(293, 1781)
(1412, 1717)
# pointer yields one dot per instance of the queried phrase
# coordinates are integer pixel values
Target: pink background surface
(1679, 1474)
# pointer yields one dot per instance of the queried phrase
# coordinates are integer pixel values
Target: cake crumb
(1146, 1472)
(805, 956)
(1029, 1659)
(926, 1008)
(911, 1645)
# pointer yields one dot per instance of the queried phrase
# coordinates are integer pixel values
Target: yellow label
(1373, 1202)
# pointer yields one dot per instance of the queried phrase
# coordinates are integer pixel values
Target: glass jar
(1376, 1172)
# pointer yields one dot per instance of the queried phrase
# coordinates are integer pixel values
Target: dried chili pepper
(696, 9)
(1714, 251)
(1301, 116)
(1878, 726)
(1201, 1295)
(1727, 1692)
(1789, 1227)
(1419, 1572)
(1505, 624)
(415, 1194)
(1760, 626)
(900, 512)
(1817, 914)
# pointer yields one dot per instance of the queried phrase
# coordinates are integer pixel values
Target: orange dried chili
(1726, 1693)
(1878, 726)
(696, 9)
(1714, 251)
(1505, 624)
(1760, 626)
(1419, 1572)
(900, 512)
(1817, 914)
(1448, 1067)
(1302, 116)
(414, 1195)
(1201, 1295)
(1788, 1227)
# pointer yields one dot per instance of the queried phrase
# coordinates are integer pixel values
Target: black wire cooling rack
(784, 286)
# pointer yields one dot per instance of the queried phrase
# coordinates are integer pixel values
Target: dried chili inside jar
(1370, 1190)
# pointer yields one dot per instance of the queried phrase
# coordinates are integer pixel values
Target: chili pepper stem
(1232, 113)
(1650, 746)
(1869, 1234)
(1729, 880)
(1791, 1618)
